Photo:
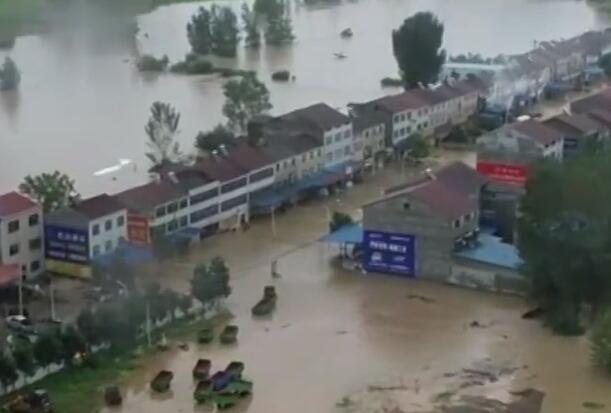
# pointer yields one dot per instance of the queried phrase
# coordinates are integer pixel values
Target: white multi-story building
(21, 243)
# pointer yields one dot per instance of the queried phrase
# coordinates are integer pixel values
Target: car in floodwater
(20, 324)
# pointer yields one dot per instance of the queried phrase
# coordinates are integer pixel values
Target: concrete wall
(473, 274)
(26, 233)
(338, 145)
(112, 236)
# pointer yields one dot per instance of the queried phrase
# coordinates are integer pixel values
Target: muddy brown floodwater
(337, 333)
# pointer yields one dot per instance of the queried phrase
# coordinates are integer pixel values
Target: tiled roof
(99, 206)
(319, 114)
(573, 123)
(601, 116)
(401, 102)
(247, 158)
(279, 147)
(601, 100)
(368, 120)
(14, 203)
(455, 174)
(148, 196)
(537, 131)
(216, 168)
(444, 199)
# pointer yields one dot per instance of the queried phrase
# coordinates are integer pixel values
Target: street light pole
(20, 292)
(52, 297)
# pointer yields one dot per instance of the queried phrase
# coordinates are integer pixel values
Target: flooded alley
(338, 333)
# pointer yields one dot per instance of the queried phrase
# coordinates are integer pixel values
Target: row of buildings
(550, 67)
(281, 160)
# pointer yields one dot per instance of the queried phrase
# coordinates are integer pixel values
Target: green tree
(600, 342)
(87, 325)
(210, 141)
(417, 48)
(249, 20)
(52, 190)
(210, 281)
(605, 63)
(269, 8)
(46, 350)
(8, 372)
(72, 343)
(564, 237)
(23, 357)
(279, 31)
(198, 32)
(420, 147)
(244, 99)
(149, 63)
(224, 31)
(162, 130)
(9, 75)
(338, 220)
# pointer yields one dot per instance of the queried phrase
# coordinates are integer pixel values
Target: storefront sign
(388, 252)
(138, 229)
(513, 174)
(66, 244)
(69, 268)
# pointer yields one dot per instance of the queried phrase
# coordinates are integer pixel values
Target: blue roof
(348, 234)
(491, 250)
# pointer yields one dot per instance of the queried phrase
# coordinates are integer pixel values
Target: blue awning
(185, 233)
(348, 234)
(491, 250)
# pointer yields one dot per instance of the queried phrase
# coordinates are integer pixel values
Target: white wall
(26, 256)
(112, 236)
(338, 145)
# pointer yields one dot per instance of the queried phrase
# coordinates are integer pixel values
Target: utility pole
(52, 297)
(20, 292)
(148, 324)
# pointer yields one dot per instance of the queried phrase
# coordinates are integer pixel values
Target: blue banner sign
(388, 252)
(66, 244)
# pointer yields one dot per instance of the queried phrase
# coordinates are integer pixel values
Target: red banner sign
(137, 228)
(513, 174)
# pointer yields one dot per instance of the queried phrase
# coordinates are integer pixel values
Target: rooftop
(99, 206)
(247, 158)
(537, 131)
(321, 115)
(601, 100)
(573, 123)
(491, 250)
(67, 218)
(14, 203)
(148, 196)
(217, 168)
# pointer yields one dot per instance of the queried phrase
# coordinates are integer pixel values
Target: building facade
(21, 235)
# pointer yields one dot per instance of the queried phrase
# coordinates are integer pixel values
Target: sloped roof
(368, 120)
(279, 147)
(537, 131)
(67, 218)
(601, 100)
(148, 196)
(601, 116)
(576, 123)
(217, 168)
(13, 203)
(403, 101)
(321, 115)
(247, 158)
(99, 206)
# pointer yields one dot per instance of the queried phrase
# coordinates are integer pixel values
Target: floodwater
(81, 106)
(336, 333)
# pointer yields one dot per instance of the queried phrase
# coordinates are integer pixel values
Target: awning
(348, 234)
(9, 273)
(491, 250)
(185, 233)
(130, 253)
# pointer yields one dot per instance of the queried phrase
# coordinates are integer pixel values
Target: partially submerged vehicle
(346, 33)
(229, 334)
(224, 388)
(201, 371)
(161, 382)
(205, 335)
(112, 396)
(267, 304)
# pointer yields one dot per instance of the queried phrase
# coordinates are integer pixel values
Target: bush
(391, 82)
(148, 63)
(193, 65)
(600, 342)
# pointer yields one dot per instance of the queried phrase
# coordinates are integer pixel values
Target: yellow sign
(69, 268)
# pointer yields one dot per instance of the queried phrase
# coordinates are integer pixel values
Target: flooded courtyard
(338, 334)
(82, 105)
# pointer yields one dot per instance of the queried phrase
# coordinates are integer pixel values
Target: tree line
(119, 325)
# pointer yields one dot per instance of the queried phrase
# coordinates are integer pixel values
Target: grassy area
(81, 389)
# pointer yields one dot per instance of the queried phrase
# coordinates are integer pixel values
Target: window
(338, 137)
(329, 157)
(277, 167)
(108, 225)
(426, 125)
(159, 212)
(407, 206)
(96, 250)
(121, 240)
(108, 245)
(13, 226)
(258, 176)
(120, 221)
(204, 213)
(173, 207)
(35, 244)
(347, 150)
(234, 202)
(312, 155)
(402, 131)
(347, 134)
(328, 140)
(338, 153)
(396, 134)
(367, 133)
(233, 185)
(293, 161)
(95, 230)
(183, 203)
(469, 217)
(172, 225)
(456, 223)
(319, 152)
(13, 249)
(34, 266)
(204, 196)
(184, 221)
(304, 157)
(33, 220)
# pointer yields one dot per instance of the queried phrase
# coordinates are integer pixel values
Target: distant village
(318, 149)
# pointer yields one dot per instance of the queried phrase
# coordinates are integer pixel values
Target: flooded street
(337, 333)
(81, 105)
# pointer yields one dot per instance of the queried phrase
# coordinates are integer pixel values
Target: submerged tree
(52, 190)
(198, 32)
(9, 75)
(8, 372)
(279, 31)
(211, 281)
(224, 31)
(249, 20)
(162, 129)
(244, 99)
(24, 358)
(208, 142)
(46, 350)
(417, 48)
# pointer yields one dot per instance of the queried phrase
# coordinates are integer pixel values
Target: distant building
(371, 132)
(507, 153)
(21, 232)
(578, 131)
(76, 236)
